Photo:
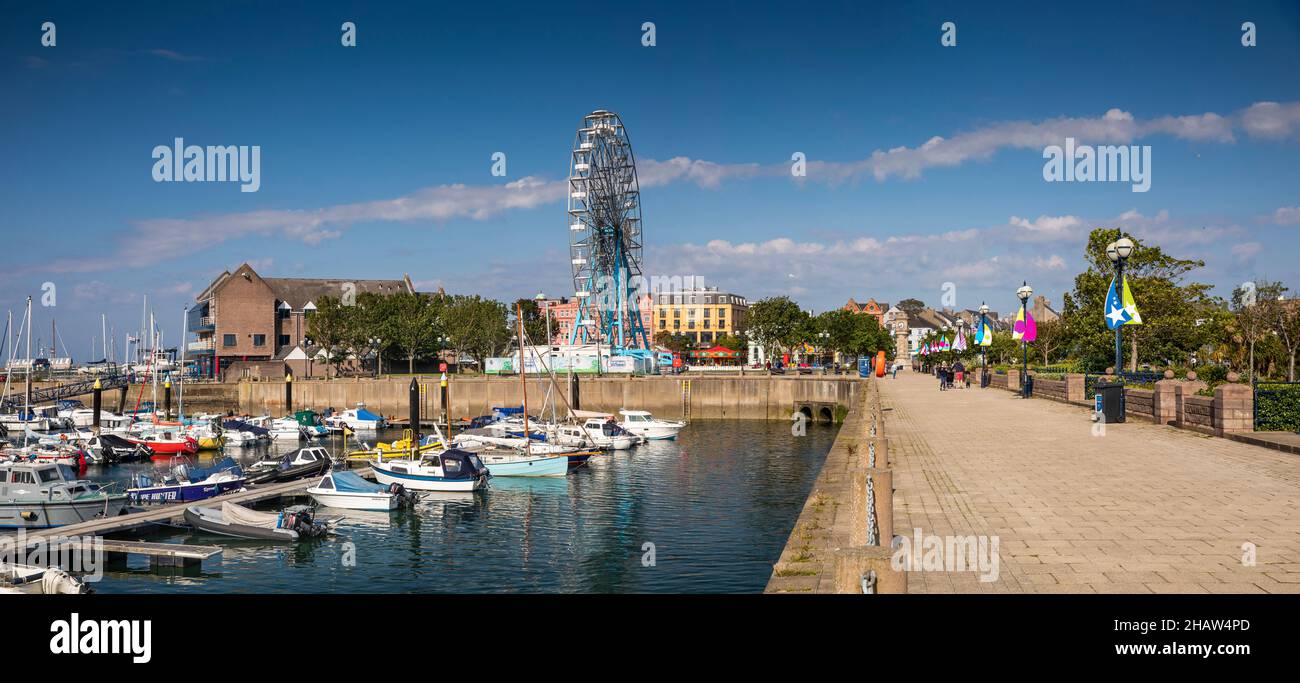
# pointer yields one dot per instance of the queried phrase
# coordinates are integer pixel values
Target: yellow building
(701, 315)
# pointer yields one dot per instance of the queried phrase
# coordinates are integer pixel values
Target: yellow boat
(211, 443)
(394, 448)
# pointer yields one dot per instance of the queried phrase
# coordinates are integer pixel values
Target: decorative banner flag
(1130, 306)
(960, 344)
(1025, 329)
(1120, 307)
(986, 336)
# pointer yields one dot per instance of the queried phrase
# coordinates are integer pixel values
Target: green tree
(911, 305)
(477, 326)
(534, 320)
(328, 328)
(1051, 337)
(677, 343)
(777, 323)
(1169, 307)
(412, 325)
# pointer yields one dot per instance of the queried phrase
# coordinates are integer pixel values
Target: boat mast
(523, 376)
(29, 359)
(180, 392)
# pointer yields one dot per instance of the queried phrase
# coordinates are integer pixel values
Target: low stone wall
(1171, 402)
(1139, 403)
(1050, 388)
(1197, 414)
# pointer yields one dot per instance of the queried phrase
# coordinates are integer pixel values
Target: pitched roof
(298, 292)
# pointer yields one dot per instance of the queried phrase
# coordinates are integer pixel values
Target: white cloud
(1246, 250)
(1271, 120)
(1287, 215)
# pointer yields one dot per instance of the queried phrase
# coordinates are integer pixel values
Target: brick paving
(1140, 509)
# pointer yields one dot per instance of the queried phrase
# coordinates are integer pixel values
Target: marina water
(717, 505)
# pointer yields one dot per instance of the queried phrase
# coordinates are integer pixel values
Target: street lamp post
(1119, 251)
(443, 342)
(375, 343)
(1024, 293)
(984, 354)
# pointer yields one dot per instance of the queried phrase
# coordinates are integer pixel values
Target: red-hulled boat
(166, 445)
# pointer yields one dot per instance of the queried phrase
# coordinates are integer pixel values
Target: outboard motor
(400, 492)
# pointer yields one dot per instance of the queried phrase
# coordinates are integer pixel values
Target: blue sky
(387, 146)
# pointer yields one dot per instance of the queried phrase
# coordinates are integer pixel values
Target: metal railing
(1276, 406)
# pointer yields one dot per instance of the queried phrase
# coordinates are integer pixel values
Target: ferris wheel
(604, 215)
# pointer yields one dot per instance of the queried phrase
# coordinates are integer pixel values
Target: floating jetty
(168, 554)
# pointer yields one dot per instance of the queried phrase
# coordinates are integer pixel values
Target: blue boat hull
(183, 493)
(556, 466)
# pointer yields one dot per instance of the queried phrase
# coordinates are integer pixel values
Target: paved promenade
(1142, 509)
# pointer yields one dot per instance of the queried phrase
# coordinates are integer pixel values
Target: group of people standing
(952, 375)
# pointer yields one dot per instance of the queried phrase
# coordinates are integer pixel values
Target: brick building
(246, 318)
(872, 308)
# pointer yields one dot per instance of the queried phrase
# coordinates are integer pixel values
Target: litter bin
(1109, 401)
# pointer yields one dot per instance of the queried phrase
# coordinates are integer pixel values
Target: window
(48, 475)
(227, 340)
(259, 340)
(690, 325)
(677, 324)
(708, 299)
(677, 312)
(663, 324)
(284, 340)
(722, 313)
(706, 312)
(706, 323)
(22, 478)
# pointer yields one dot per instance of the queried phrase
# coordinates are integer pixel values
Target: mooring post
(872, 506)
(97, 400)
(868, 570)
(121, 399)
(415, 419)
(446, 404)
(288, 393)
(167, 400)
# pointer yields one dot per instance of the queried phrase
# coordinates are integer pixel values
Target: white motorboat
(35, 495)
(357, 419)
(34, 580)
(449, 470)
(594, 432)
(285, 429)
(642, 423)
(347, 490)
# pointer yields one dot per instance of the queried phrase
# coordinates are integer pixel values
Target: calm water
(718, 505)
